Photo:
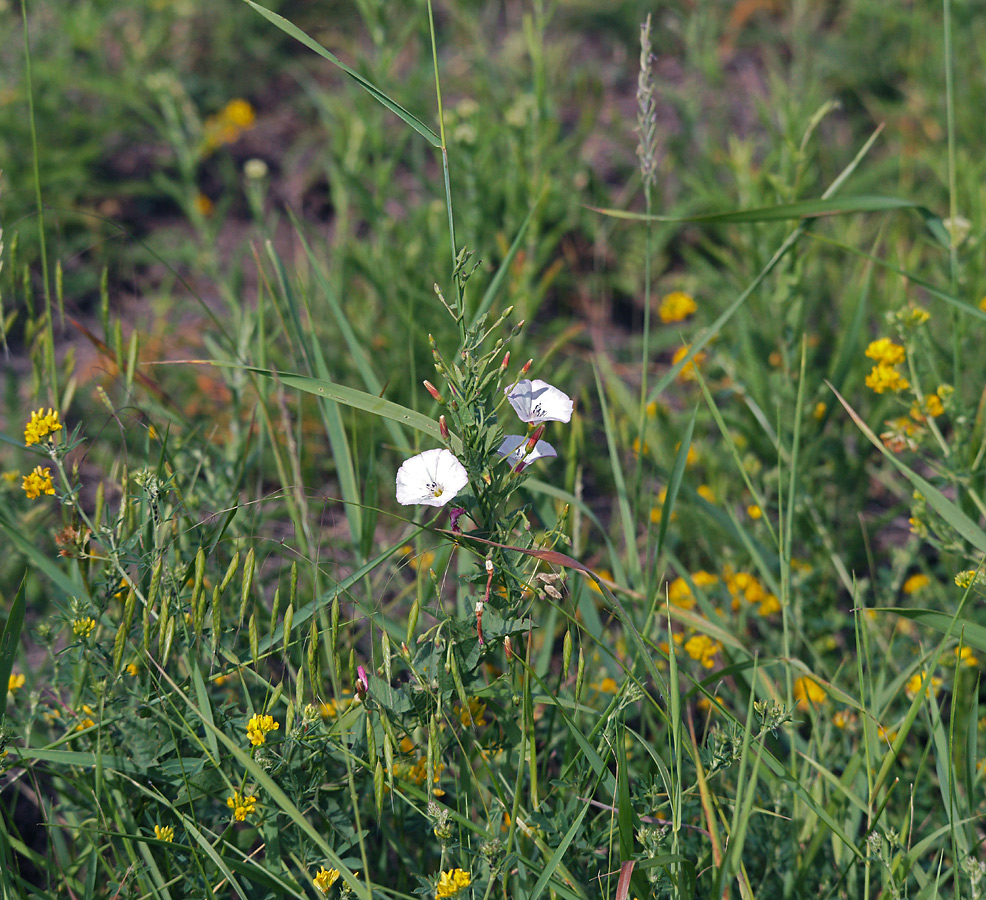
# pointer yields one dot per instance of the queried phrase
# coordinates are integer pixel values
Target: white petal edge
(537, 401)
(513, 447)
(431, 478)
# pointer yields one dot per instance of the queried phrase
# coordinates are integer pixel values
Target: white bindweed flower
(537, 401)
(431, 478)
(514, 447)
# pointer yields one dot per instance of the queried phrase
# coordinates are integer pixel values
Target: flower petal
(431, 478)
(537, 401)
(514, 447)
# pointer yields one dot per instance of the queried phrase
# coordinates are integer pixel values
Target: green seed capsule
(313, 657)
(371, 739)
(288, 619)
(579, 675)
(254, 641)
(169, 638)
(245, 594)
(566, 654)
(378, 788)
(412, 621)
(230, 572)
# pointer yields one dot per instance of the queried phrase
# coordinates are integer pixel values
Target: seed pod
(579, 676)
(217, 623)
(294, 584)
(412, 621)
(155, 581)
(288, 618)
(352, 665)
(199, 579)
(334, 619)
(299, 687)
(119, 644)
(275, 609)
(289, 716)
(275, 696)
(248, 569)
(378, 788)
(385, 653)
(254, 641)
(230, 572)
(313, 658)
(146, 621)
(128, 609)
(460, 688)
(388, 757)
(97, 516)
(566, 654)
(169, 637)
(371, 739)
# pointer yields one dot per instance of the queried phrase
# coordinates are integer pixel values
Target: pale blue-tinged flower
(537, 401)
(514, 447)
(431, 478)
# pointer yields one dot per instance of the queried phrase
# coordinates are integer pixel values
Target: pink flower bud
(506, 361)
(443, 428)
(431, 389)
(527, 367)
(362, 683)
(536, 435)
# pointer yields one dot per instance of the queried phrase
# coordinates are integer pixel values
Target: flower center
(436, 489)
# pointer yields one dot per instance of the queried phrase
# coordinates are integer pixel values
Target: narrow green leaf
(294, 31)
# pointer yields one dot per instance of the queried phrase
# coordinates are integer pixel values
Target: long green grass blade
(10, 638)
(294, 31)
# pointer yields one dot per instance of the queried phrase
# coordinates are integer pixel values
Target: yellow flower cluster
(451, 883)
(325, 878)
(917, 681)
(964, 654)
(687, 372)
(38, 482)
(703, 648)
(15, 682)
(808, 692)
(241, 806)
(676, 307)
(746, 586)
(474, 714)
(416, 772)
(917, 582)
(885, 376)
(257, 729)
(87, 721)
(41, 425)
(83, 627)
(164, 833)
(229, 123)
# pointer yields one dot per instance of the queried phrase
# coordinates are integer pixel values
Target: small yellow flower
(883, 378)
(703, 648)
(15, 682)
(680, 594)
(843, 719)
(257, 729)
(325, 878)
(917, 582)
(706, 493)
(704, 579)
(87, 721)
(164, 833)
(917, 681)
(967, 578)
(676, 307)
(41, 425)
(132, 670)
(451, 883)
(474, 714)
(818, 413)
(687, 372)
(885, 352)
(982, 304)
(933, 405)
(769, 604)
(239, 112)
(754, 511)
(38, 482)
(241, 806)
(808, 692)
(203, 205)
(964, 654)
(83, 627)
(607, 686)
